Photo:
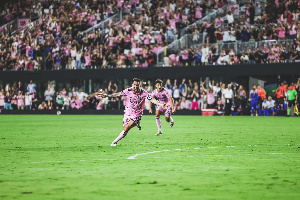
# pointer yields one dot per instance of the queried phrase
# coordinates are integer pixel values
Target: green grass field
(70, 157)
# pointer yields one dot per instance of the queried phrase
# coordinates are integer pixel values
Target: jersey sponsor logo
(135, 100)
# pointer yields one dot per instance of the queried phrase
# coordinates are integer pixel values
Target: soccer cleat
(171, 124)
(158, 133)
(252, 115)
(113, 144)
(256, 115)
(139, 126)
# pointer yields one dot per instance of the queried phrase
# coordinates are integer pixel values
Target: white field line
(136, 155)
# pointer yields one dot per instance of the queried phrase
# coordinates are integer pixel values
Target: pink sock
(120, 137)
(158, 122)
(171, 119)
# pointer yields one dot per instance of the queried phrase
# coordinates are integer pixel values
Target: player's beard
(136, 90)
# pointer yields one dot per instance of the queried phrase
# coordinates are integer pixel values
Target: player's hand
(101, 94)
(150, 111)
(173, 110)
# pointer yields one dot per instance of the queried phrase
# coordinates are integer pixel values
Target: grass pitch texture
(70, 157)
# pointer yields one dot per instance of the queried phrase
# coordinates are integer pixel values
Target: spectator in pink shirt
(64, 92)
(159, 38)
(72, 103)
(27, 49)
(87, 58)
(210, 99)
(184, 58)
(2, 96)
(78, 103)
(195, 96)
(198, 13)
(292, 31)
(147, 38)
(173, 59)
(281, 33)
(219, 21)
(20, 101)
(184, 105)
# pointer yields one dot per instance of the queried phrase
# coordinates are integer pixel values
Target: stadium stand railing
(5, 28)
(15, 25)
(208, 18)
(239, 47)
(116, 18)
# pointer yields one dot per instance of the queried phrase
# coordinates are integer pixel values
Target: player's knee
(126, 129)
(157, 116)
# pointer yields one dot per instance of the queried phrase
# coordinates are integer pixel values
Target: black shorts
(291, 103)
(59, 105)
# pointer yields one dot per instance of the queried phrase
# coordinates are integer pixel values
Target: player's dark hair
(158, 81)
(136, 79)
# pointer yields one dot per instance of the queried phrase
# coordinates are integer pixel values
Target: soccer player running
(163, 96)
(291, 98)
(134, 106)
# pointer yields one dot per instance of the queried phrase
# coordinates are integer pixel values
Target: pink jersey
(163, 96)
(27, 50)
(173, 23)
(210, 98)
(135, 102)
(64, 93)
(198, 13)
(2, 100)
(20, 101)
(87, 60)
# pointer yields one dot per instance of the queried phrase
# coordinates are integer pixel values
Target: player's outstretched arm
(150, 107)
(159, 104)
(172, 104)
(103, 94)
(95, 94)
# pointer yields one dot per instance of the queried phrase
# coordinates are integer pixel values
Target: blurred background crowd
(93, 34)
(226, 98)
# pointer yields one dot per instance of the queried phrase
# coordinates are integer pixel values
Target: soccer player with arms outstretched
(134, 106)
(163, 96)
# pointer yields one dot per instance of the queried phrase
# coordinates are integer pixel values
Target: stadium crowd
(58, 41)
(56, 36)
(261, 21)
(11, 10)
(230, 99)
